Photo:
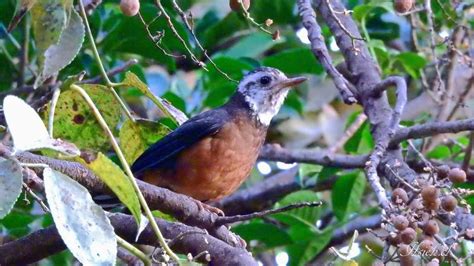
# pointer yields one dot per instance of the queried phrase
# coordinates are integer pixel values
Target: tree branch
(320, 50)
(185, 239)
(183, 208)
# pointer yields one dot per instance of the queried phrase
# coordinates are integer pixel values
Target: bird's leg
(204, 206)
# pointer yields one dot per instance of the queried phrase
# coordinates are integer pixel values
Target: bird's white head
(265, 89)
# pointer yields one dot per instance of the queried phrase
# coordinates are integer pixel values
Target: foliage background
(313, 115)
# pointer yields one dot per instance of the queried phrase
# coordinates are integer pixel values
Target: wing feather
(163, 153)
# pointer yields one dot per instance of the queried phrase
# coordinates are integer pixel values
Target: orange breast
(217, 165)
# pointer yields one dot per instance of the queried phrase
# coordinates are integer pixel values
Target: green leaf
(294, 62)
(302, 252)
(49, 18)
(59, 55)
(251, 46)
(347, 194)
(74, 121)
(30, 121)
(117, 181)
(361, 11)
(11, 179)
(309, 214)
(361, 140)
(268, 234)
(133, 81)
(220, 88)
(128, 35)
(226, 27)
(439, 152)
(412, 63)
(280, 11)
(81, 223)
(136, 137)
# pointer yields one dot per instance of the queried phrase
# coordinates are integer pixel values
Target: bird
(210, 155)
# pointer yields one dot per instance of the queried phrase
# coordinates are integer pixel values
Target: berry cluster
(413, 225)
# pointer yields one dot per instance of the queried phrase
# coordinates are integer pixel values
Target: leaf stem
(127, 169)
(54, 101)
(108, 83)
(135, 251)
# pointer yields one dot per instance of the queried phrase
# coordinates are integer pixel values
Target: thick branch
(185, 239)
(182, 207)
(320, 50)
(276, 153)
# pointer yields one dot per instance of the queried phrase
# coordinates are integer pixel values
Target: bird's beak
(291, 82)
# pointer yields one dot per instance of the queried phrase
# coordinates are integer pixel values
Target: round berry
(400, 222)
(405, 253)
(429, 193)
(433, 262)
(427, 245)
(443, 171)
(236, 6)
(457, 175)
(399, 195)
(432, 204)
(408, 235)
(431, 228)
(130, 7)
(449, 203)
(403, 6)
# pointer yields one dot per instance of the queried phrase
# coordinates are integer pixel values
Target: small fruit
(400, 222)
(429, 193)
(427, 245)
(457, 175)
(449, 203)
(432, 205)
(431, 228)
(404, 250)
(433, 262)
(276, 35)
(443, 171)
(405, 253)
(236, 5)
(130, 7)
(416, 204)
(408, 235)
(399, 195)
(403, 6)
(268, 22)
(394, 239)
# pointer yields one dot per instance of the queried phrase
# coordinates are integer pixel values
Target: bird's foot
(204, 206)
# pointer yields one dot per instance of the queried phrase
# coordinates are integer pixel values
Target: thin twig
(156, 39)
(246, 217)
(109, 83)
(252, 20)
(36, 198)
(52, 110)
(413, 11)
(401, 179)
(430, 19)
(333, 14)
(468, 152)
(176, 34)
(133, 250)
(361, 118)
(184, 18)
(112, 72)
(318, 46)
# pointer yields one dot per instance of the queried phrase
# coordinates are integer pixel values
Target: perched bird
(210, 155)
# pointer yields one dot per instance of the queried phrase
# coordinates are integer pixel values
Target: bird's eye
(265, 80)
